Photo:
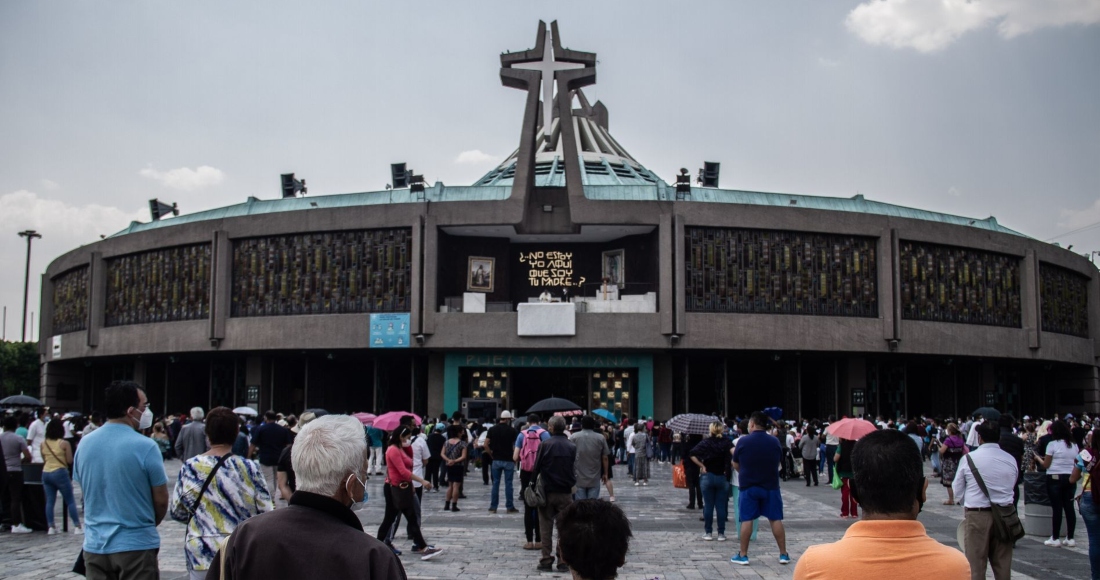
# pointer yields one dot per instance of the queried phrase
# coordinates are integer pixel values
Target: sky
(974, 108)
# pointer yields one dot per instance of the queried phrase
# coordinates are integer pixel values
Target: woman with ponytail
(1088, 464)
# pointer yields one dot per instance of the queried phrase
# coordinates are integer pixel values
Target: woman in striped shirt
(237, 492)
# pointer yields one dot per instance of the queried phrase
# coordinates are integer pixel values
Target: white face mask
(146, 420)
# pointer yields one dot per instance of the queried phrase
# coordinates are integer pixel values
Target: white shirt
(1062, 462)
(972, 436)
(421, 453)
(628, 433)
(36, 435)
(68, 425)
(998, 470)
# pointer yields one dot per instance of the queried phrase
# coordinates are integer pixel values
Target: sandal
(948, 503)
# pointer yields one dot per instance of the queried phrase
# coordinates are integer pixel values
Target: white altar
(630, 303)
(547, 319)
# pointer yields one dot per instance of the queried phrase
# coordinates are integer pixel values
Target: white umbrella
(247, 411)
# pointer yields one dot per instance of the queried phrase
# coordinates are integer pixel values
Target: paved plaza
(667, 541)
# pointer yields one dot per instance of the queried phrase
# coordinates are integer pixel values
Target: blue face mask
(362, 498)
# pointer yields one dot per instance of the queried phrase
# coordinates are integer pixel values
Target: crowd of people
(237, 475)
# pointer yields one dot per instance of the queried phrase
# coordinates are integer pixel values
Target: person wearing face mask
(318, 534)
(125, 489)
(888, 542)
(400, 497)
(215, 492)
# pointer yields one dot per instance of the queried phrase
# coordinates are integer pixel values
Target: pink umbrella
(365, 418)
(851, 429)
(390, 421)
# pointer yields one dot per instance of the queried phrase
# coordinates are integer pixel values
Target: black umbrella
(988, 413)
(553, 405)
(20, 401)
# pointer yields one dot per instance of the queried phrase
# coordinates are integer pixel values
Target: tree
(18, 368)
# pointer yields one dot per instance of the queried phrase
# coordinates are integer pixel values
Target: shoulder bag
(1007, 526)
(206, 484)
(534, 495)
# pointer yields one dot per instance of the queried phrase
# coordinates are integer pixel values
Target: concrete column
(666, 267)
(221, 285)
(889, 280)
(855, 377)
(1030, 299)
(662, 385)
(679, 271)
(435, 385)
(430, 297)
(97, 297)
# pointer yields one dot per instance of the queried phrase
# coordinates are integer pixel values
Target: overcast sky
(974, 108)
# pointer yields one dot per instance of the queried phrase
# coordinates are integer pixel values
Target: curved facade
(715, 300)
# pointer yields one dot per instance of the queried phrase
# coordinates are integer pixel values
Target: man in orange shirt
(889, 542)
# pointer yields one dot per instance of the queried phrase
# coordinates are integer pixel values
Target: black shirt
(270, 439)
(555, 462)
(1014, 446)
(436, 441)
(502, 440)
(285, 465)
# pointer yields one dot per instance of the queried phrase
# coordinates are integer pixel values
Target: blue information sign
(389, 330)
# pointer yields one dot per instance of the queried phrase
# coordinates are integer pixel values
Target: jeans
(630, 463)
(1091, 515)
(830, 451)
(508, 468)
(809, 469)
(53, 482)
(666, 451)
(715, 495)
(587, 493)
(1061, 501)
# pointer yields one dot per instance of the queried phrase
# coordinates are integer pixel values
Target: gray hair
(197, 414)
(326, 451)
(556, 424)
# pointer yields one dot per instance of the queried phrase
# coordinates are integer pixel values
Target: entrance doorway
(531, 385)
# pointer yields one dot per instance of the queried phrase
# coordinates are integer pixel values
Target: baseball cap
(506, 415)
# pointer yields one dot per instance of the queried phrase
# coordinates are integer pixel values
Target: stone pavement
(667, 542)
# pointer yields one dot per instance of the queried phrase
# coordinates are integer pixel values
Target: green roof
(633, 192)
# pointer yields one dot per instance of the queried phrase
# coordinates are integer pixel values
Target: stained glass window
(70, 301)
(325, 273)
(779, 272)
(951, 284)
(159, 286)
(1065, 300)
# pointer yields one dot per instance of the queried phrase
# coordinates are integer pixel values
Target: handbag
(679, 478)
(534, 495)
(1007, 526)
(404, 496)
(837, 484)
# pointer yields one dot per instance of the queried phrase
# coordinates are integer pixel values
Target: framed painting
(613, 267)
(479, 274)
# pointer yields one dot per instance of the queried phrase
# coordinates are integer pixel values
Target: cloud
(1073, 219)
(954, 191)
(49, 185)
(931, 25)
(64, 227)
(474, 157)
(185, 178)
(827, 62)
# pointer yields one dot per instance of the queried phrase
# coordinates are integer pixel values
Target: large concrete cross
(547, 66)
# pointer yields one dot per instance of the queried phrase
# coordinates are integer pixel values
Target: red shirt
(398, 466)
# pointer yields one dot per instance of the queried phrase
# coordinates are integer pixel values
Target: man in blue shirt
(125, 489)
(756, 459)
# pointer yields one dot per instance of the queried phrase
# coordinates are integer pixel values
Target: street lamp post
(30, 235)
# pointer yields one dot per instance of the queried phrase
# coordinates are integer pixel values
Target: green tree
(18, 368)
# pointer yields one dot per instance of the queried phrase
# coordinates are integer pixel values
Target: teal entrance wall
(455, 361)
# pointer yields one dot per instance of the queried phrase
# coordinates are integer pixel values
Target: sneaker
(492, 511)
(611, 499)
(545, 567)
(1069, 543)
(739, 559)
(784, 559)
(1052, 541)
(708, 537)
(563, 567)
(51, 531)
(396, 552)
(721, 537)
(430, 552)
(78, 531)
(636, 483)
(21, 529)
(645, 483)
(512, 511)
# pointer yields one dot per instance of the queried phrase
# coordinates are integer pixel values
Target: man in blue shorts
(756, 459)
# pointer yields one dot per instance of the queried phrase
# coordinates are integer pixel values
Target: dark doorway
(531, 385)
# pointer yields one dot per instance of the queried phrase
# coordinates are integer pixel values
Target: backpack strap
(206, 484)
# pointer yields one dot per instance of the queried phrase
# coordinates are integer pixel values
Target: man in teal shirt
(125, 489)
(374, 464)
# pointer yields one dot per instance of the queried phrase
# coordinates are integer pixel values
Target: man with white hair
(192, 438)
(330, 464)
